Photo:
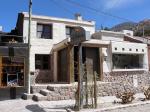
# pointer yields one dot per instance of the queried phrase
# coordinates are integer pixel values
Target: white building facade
(45, 32)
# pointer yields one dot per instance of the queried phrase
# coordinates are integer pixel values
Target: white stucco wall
(44, 46)
(107, 65)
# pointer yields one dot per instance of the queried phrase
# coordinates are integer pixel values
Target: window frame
(70, 30)
(43, 31)
(127, 69)
(42, 62)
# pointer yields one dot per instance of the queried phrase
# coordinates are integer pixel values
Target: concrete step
(45, 92)
(39, 97)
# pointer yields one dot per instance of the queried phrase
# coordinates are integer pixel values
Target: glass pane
(39, 27)
(67, 31)
(47, 28)
(39, 34)
(45, 66)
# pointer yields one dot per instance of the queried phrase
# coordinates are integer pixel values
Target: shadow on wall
(35, 108)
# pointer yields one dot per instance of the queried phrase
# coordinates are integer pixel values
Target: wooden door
(92, 60)
(62, 66)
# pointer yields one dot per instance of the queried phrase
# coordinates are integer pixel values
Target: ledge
(118, 70)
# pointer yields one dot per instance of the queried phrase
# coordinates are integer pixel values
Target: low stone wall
(113, 83)
(137, 79)
(68, 91)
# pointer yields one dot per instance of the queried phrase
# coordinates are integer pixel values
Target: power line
(96, 10)
(64, 8)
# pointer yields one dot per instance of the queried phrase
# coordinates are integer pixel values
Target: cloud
(113, 4)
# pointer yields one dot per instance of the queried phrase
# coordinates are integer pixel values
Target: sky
(106, 13)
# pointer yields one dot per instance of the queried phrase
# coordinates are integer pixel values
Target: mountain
(124, 26)
(138, 28)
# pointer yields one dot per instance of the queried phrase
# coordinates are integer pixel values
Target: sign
(78, 35)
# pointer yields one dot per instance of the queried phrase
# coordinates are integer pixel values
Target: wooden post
(71, 63)
(101, 64)
(86, 86)
(95, 90)
(80, 79)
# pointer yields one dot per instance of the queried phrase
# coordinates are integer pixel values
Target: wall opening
(128, 61)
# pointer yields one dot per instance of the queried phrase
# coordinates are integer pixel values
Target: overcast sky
(133, 10)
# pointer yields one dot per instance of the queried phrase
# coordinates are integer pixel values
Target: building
(13, 63)
(45, 32)
(118, 58)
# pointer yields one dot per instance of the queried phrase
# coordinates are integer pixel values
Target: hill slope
(138, 28)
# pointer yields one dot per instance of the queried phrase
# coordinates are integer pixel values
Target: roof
(90, 23)
(145, 40)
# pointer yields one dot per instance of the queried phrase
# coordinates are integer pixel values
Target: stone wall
(127, 77)
(113, 83)
(68, 91)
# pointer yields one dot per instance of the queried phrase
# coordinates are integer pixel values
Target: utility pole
(29, 45)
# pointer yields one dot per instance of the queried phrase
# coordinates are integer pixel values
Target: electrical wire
(97, 11)
(64, 8)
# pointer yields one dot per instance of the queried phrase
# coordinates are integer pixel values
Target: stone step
(39, 97)
(45, 92)
(50, 88)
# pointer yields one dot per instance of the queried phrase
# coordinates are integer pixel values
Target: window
(68, 31)
(115, 48)
(44, 31)
(42, 62)
(12, 71)
(128, 61)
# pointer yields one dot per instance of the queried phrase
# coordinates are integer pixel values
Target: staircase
(54, 93)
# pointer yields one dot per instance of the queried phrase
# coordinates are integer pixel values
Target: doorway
(62, 66)
(89, 54)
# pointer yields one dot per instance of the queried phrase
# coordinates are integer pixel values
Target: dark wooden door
(92, 60)
(62, 66)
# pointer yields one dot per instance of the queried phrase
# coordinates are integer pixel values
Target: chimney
(1, 28)
(78, 17)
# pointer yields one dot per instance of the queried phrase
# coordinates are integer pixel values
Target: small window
(142, 50)
(136, 50)
(68, 31)
(115, 48)
(44, 31)
(130, 49)
(42, 62)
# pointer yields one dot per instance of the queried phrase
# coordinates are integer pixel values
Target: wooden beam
(70, 57)
(101, 63)
(80, 78)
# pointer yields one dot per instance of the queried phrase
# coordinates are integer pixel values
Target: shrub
(126, 97)
(147, 93)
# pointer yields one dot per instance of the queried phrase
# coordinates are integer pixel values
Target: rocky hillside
(136, 27)
(124, 26)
